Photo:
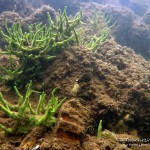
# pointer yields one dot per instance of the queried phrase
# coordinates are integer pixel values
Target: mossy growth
(25, 117)
(39, 44)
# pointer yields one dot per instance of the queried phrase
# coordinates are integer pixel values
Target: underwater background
(75, 75)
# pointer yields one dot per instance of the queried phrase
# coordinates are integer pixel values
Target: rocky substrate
(115, 77)
(112, 85)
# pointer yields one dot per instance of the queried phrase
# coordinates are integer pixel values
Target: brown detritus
(93, 143)
(69, 137)
(35, 135)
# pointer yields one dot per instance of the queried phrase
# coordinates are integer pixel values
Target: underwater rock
(146, 17)
(10, 18)
(93, 143)
(6, 147)
(22, 7)
(123, 19)
(125, 2)
(7, 5)
(72, 6)
(36, 134)
(139, 8)
(113, 82)
(115, 87)
(40, 15)
(129, 29)
(71, 126)
(140, 37)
